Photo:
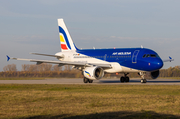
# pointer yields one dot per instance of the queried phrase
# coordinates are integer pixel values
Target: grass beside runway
(89, 101)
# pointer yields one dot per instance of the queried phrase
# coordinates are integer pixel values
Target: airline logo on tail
(64, 40)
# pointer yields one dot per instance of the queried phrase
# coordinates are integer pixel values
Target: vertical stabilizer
(65, 38)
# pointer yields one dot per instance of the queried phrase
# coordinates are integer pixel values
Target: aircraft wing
(168, 60)
(47, 55)
(80, 64)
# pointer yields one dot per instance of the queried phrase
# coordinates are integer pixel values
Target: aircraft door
(134, 57)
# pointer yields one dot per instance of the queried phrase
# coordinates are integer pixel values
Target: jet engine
(93, 73)
(154, 74)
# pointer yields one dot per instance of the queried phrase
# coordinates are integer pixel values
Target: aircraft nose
(158, 64)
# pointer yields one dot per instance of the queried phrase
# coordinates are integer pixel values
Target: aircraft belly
(127, 69)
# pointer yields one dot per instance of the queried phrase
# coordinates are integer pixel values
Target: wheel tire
(90, 81)
(143, 80)
(122, 79)
(127, 79)
(85, 80)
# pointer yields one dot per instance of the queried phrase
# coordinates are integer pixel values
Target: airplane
(94, 63)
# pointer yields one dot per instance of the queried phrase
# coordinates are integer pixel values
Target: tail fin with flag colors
(65, 38)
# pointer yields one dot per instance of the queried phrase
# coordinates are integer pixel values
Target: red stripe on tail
(64, 47)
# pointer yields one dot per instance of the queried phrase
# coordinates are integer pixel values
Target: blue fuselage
(135, 58)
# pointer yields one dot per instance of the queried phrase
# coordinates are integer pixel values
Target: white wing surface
(80, 64)
(47, 55)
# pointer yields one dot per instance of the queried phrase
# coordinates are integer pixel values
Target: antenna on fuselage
(142, 46)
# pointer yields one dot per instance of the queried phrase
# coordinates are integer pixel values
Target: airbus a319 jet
(95, 62)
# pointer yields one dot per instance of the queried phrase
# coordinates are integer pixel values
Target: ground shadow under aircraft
(154, 81)
(138, 81)
(116, 81)
(110, 115)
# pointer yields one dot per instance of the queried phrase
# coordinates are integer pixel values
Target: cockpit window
(152, 55)
(157, 56)
(144, 55)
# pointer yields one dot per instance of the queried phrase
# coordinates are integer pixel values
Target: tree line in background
(41, 70)
(66, 71)
(170, 72)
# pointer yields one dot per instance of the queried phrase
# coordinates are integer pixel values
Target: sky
(31, 26)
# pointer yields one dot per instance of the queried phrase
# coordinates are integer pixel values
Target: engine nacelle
(154, 74)
(93, 73)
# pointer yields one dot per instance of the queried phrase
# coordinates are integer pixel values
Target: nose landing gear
(143, 80)
(142, 74)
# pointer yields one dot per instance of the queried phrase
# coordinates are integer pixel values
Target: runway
(95, 82)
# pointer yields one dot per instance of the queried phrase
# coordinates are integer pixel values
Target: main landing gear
(142, 74)
(86, 80)
(124, 78)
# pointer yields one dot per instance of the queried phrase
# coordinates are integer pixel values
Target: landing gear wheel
(85, 80)
(143, 80)
(90, 81)
(127, 79)
(122, 79)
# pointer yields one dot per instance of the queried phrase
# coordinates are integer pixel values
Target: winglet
(171, 59)
(8, 58)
